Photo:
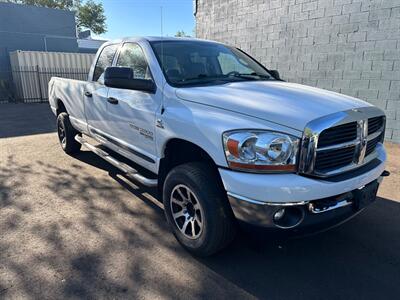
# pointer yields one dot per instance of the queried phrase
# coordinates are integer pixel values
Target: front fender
(204, 125)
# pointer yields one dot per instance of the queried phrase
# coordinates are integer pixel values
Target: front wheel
(197, 210)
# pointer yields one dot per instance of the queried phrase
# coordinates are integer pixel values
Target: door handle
(88, 94)
(112, 100)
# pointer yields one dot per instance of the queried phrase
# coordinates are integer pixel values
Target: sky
(143, 17)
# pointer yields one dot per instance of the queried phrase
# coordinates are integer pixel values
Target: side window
(105, 60)
(132, 56)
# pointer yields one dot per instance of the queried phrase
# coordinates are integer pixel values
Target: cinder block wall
(347, 46)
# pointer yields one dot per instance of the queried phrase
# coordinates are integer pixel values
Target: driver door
(133, 113)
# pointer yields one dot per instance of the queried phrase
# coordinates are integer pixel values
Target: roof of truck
(168, 38)
(157, 39)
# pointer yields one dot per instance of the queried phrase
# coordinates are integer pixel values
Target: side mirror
(275, 74)
(123, 78)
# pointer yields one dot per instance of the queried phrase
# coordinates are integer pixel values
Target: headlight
(260, 151)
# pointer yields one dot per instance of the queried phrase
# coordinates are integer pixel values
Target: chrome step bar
(127, 170)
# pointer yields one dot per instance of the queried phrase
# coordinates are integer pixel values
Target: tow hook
(384, 174)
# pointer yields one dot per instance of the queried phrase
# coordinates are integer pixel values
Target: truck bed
(71, 93)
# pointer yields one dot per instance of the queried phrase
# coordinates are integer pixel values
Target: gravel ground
(72, 227)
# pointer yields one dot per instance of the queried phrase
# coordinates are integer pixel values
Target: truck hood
(289, 104)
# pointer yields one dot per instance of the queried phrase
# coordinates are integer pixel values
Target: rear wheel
(66, 134)
(197, 210)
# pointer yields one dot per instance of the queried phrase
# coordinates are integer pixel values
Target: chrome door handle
(112, 100)
(88, 94)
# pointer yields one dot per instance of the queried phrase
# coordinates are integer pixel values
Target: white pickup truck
(224, 139)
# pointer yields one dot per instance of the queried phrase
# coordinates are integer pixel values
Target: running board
(128, 170)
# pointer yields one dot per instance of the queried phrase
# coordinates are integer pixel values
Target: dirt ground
(72, 227)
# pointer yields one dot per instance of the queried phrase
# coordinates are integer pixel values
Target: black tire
(66, 134)
(219, 227)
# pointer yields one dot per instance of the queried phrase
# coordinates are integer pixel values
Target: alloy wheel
(186, 211)
(61, 133)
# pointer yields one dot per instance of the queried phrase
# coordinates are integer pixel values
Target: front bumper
(306, 216)
(313, 203)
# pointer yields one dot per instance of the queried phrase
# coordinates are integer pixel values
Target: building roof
(90, 43)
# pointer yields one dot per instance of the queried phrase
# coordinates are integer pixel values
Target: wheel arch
(60, 107)
(177, 151)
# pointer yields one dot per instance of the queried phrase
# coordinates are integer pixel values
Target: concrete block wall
(348, 46)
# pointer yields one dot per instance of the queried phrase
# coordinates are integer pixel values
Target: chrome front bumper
(319, 214)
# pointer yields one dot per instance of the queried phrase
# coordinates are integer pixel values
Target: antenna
(162, 37)
(161, 16)
(162, 58)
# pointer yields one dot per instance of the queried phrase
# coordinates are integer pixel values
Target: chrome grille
(341, 142)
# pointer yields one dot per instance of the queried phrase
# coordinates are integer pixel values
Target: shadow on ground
(63, 248)
(26, 119)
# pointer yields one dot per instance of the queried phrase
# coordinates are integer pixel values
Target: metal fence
(30, 84)
(6, 88)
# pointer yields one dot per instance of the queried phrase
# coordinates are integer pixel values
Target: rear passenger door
(95, 93)
(132, 119)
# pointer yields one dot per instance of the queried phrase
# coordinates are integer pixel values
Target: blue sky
(142, 17)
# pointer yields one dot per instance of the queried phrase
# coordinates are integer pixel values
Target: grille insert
(332, 159)
(374, 124)
(338, 134)
(371, 145)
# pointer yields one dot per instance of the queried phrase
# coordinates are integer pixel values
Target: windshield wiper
(201, 78)
(254, 74)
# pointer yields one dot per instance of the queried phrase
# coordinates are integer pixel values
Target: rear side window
(132, 56)
(105, 60)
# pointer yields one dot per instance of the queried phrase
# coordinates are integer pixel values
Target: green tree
(89, 14)
(181, 33)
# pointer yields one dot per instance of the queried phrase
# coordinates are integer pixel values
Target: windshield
(196, 62)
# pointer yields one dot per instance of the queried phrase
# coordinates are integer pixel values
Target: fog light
(288, 217)
(279, 214)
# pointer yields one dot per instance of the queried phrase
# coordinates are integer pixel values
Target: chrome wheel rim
(186, 211)
(61, 133)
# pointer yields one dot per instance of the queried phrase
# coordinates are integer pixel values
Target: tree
(91, 15)
(88, 15)
(181, 33)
